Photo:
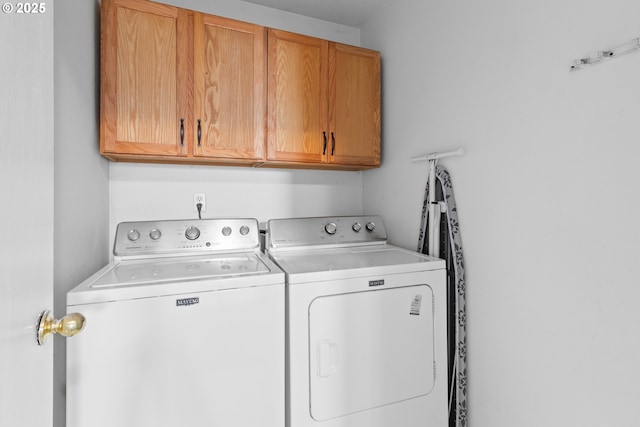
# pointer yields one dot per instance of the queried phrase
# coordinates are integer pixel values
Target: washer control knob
(155, 234)
(226, 231)
(370, 226)
(192, 233)
(356, 227)
(331, 228)
(244, 230)
(133, 235)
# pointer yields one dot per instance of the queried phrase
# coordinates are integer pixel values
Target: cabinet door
(297, 98)
(145, 98)
(354, 105)
(230, 88)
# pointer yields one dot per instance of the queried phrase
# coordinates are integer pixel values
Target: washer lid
(341, 263)
(128, 273)
(143, 278)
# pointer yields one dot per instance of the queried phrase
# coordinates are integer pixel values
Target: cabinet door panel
(297, 97)
(354, 105)
(230, 89)
(141, 103)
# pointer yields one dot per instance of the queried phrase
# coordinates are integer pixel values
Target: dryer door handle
(328, 358)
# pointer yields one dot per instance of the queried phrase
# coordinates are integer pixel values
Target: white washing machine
(184, 328)
(366, 326)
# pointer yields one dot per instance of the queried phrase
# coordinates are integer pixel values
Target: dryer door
(369, 349)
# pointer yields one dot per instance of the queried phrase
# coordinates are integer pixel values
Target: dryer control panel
(316, 231)
(176, 237)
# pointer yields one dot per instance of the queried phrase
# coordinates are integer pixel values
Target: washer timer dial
(192, 233)
(331, 228)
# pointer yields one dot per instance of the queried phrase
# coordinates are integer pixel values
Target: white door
(26, 211)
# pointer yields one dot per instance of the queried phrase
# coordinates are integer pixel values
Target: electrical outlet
(199, 198)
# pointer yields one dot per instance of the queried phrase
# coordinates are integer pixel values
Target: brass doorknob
(67, 326)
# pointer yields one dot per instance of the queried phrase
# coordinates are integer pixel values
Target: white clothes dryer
(184, 328)
(366, 325)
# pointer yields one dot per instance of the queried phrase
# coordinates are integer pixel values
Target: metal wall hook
(605, 55)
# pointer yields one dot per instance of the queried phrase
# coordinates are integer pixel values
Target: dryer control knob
(244, 230)
(155, 234)
(192, 233)
(371, 226)
(356, 227)
(331, 228)
(133, 235)
(226, 231)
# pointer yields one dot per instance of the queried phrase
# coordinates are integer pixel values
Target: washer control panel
(186, 236)
(342, 230)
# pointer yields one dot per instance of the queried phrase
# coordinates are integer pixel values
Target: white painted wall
(546, 193)
(141, 192)
(151, 192)
(273, 18)
(81, 181)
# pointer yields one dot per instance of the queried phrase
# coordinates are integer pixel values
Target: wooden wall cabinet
(230, 89)
(324, 102)
(179, 86)
(143, 79)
